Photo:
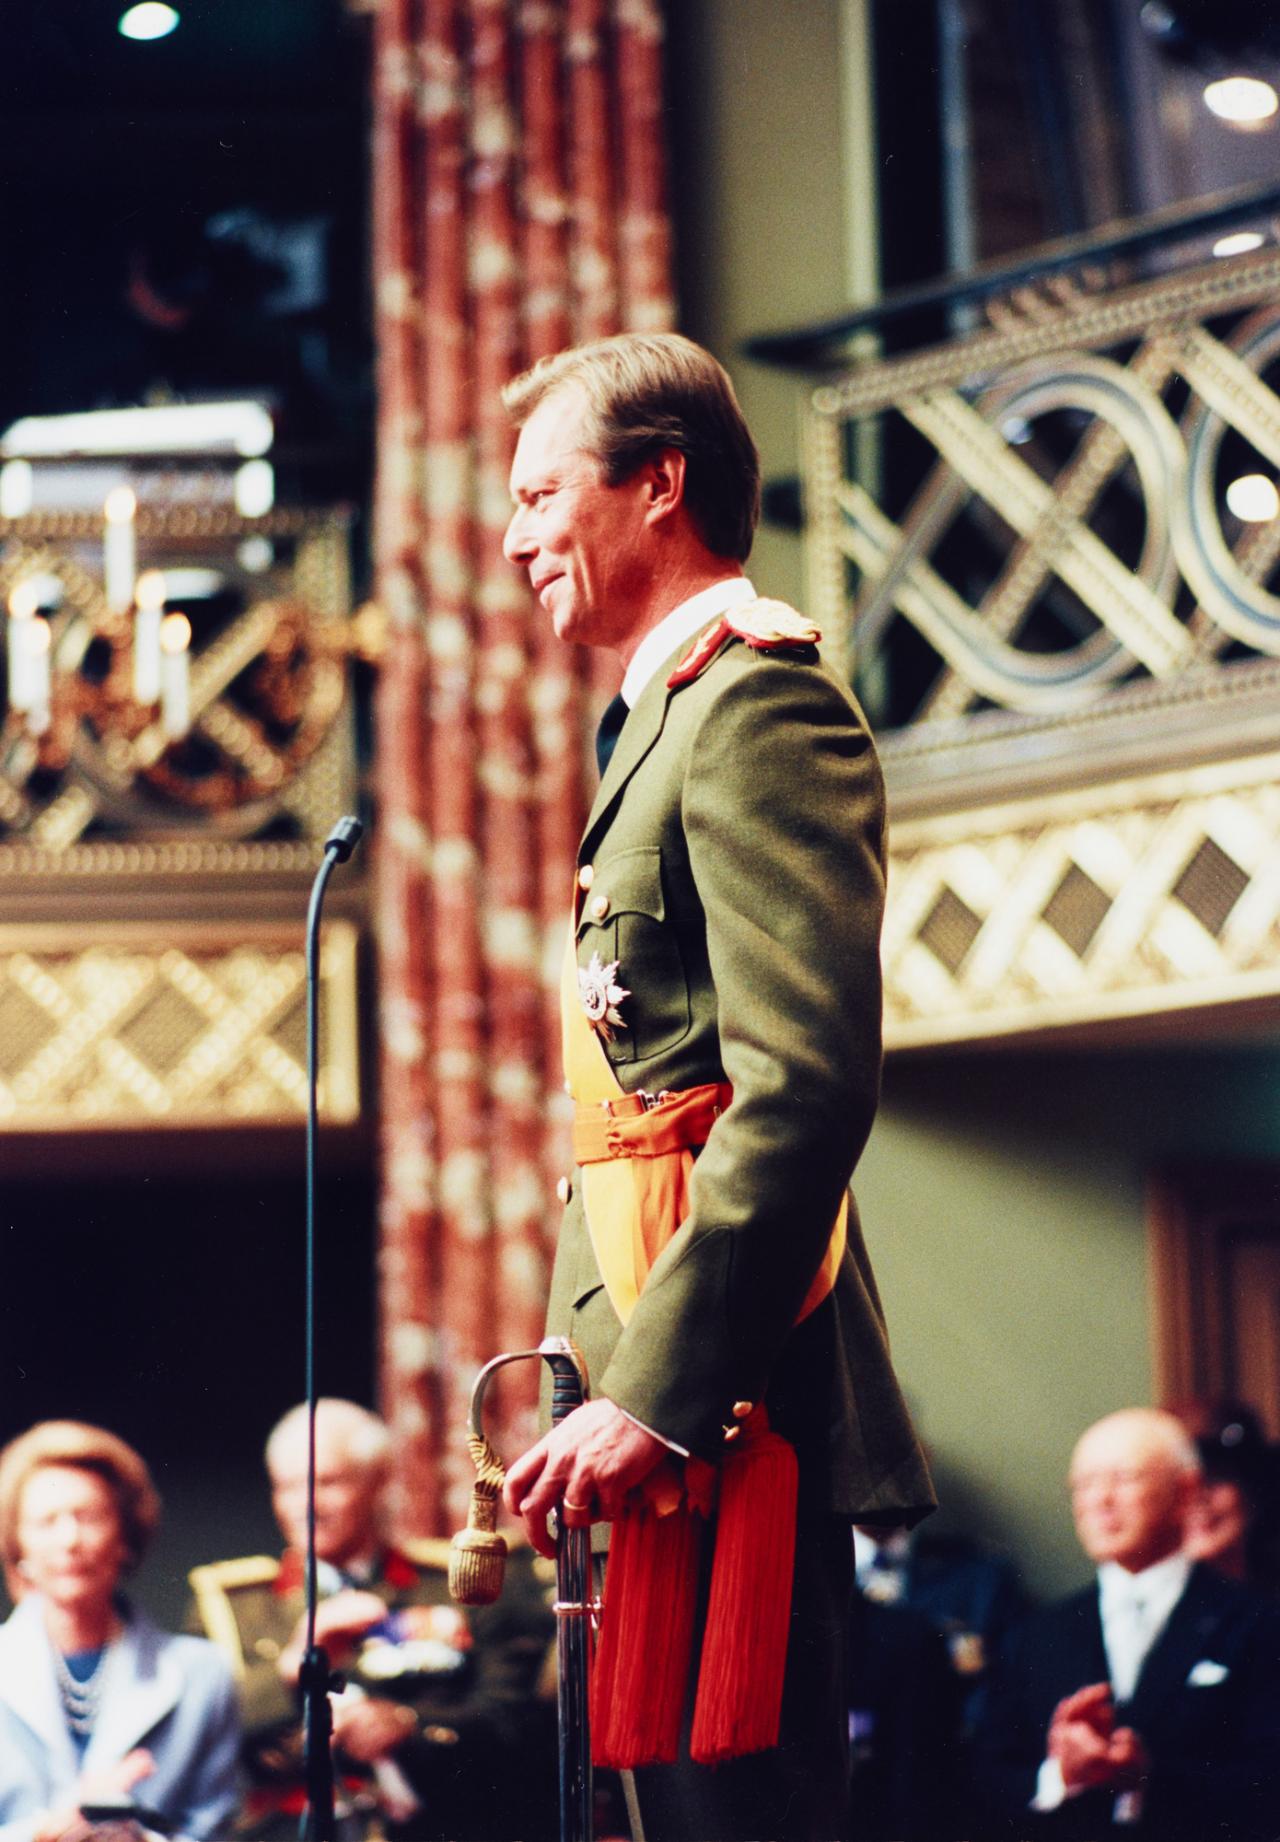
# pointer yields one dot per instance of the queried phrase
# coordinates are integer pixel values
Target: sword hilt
(478, 1553)
(568, 1376)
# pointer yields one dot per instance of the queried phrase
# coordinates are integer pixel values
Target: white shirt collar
(891, 1551)
(1158, 1588)
(681, 624)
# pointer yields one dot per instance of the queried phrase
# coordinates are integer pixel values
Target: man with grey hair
(440, 1713)
(1148, 1705)
(721, 1008)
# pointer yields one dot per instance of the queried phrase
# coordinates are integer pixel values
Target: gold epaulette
(765, 626)
(211, 1585)
(247, 1570)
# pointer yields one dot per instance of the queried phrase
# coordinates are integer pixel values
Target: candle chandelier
(171, 659)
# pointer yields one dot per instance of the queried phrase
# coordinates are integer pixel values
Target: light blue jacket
(173, 1695)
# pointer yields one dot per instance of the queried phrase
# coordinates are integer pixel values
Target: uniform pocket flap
(629, 883)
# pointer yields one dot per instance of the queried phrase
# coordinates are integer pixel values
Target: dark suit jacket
(904, 1727)
(1207, 1706)
(973, 1598)
(737, 838)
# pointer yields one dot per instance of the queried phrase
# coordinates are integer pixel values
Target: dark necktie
(615, 715)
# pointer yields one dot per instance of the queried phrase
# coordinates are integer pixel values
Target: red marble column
(519, 183)
(644, 223)
(557, 704)
(408, 1275)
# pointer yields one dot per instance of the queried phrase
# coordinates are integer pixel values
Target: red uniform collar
(394, 1569)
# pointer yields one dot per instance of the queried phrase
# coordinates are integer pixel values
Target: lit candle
(150, 594)
(175, 676)
(23, 603)
(119, 547)
(39, 644)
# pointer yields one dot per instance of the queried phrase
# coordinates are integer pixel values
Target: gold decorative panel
(133, 1026)
(1112, 903)
(1057, 522)
(1049, 552)
(266, 753)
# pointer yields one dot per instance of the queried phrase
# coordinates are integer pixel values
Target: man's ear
(664, 477)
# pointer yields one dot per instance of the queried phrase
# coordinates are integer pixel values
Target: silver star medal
(601, 995)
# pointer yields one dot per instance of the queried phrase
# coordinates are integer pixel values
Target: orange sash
(636, 1157)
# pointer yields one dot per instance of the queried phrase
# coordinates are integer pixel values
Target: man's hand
(340, 1622)
(1092, 1752)
(370, 1729)
(1129, 1759)
(582, 1469)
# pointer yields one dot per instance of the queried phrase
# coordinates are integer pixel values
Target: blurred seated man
(1148, 1705)
(970, 1596)
(440, 1729)
(904, 1719)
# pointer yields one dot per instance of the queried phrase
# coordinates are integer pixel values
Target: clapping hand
(109, 1784)
(1092, 1752)
(340, 1622)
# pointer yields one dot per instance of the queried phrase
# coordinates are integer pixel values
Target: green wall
(1003, 1194)
(758, 176)
(1004, 1198)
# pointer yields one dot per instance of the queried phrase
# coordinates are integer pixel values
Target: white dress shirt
(682, 623)
(1134, 1608)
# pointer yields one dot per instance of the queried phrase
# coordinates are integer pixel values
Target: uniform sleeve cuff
(670, 1444)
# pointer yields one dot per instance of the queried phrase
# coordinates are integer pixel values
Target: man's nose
(515, 543)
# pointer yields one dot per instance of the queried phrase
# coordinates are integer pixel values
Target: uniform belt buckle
(649, 1101)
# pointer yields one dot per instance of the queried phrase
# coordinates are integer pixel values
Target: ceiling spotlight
(1245, 102)
(1239, 243)
(149, 19)
(1253, 498)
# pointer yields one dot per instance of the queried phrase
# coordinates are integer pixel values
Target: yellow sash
(636, 1198)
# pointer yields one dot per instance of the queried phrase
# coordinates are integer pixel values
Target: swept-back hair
(649, 391)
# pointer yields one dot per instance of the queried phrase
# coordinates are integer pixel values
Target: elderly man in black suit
(1149, 1705)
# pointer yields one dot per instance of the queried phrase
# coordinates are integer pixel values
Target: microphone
(316, 1679)
(343, 839)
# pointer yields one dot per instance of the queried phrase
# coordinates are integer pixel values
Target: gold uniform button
(564, 1190)
(600, 908)
(586, 876)
(741, 1409)
(731, 1432)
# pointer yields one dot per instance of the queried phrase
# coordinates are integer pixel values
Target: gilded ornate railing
(1055, 583)
(161, 817)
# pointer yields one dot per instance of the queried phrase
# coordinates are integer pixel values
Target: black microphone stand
(315, 1679)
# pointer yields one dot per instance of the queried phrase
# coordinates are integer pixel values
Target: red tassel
(642, 1664)
(744, 1651)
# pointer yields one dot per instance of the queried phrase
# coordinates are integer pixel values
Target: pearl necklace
(80, 1700)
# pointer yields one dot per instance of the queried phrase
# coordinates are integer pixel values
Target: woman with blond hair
(103, 1718)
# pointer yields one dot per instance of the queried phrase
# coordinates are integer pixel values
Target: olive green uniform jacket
(484, 1720)
(737, 878)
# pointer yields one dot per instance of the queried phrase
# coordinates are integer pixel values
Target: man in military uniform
(722, 1035)
(441, 1718)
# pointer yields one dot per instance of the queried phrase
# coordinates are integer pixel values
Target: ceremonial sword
(477, 1562)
